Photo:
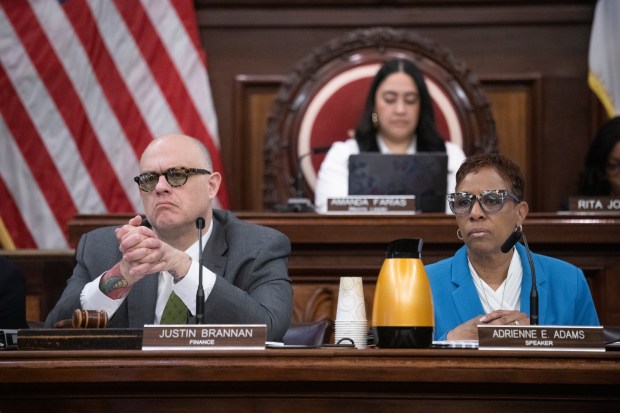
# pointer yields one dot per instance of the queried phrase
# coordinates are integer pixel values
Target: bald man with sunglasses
(139, 271)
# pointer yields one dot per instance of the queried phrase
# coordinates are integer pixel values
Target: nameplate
(204, 337)
(594, 203)
(537, 338)
(372, 204)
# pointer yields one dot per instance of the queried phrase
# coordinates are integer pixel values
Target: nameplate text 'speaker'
(541, 338)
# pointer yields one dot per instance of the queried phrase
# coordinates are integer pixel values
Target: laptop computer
(422, 174)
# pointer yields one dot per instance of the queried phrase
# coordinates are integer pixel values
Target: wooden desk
(309, 380)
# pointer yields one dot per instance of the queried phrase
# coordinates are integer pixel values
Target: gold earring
(375, 120)
(459, 235)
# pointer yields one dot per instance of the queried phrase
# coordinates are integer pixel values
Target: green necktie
(175, 311)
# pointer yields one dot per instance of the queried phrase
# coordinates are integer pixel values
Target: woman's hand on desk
(505, 317)
(466, 331)
(469, 329)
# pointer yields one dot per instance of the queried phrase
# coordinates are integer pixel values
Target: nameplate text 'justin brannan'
(204, 337)
(547, 338)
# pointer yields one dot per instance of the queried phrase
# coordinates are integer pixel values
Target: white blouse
(508, 294)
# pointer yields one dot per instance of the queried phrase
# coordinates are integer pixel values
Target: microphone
(145, 223)
(534, 291)
(299, 177)
(200, 294)
(511, 241)
(507, 246)
(300, 203)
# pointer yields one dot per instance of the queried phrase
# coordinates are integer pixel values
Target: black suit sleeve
(12, 296)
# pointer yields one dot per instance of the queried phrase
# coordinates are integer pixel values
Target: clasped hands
(144, 253)
(469, 329)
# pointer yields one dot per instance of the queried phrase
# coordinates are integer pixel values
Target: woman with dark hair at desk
(601, 173)
(12, 296)
(398, 119)
(482, 285)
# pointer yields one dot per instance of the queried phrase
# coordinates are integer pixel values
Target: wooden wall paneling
(565, 139)
(516, 105)
(612, 286)
(493, 38)
(513, 141)
(33, 307)
(254, 97)
(314, 301)
(46, 273)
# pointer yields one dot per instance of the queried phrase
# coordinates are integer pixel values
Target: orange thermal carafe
(402, 314)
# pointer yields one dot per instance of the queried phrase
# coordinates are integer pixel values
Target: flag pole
(6, 242)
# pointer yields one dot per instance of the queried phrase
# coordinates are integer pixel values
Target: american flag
(85, 85)
(604, 55)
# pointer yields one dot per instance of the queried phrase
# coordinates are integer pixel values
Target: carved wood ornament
(355, 49)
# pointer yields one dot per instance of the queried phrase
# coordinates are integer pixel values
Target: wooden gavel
(89, 319)
(85, 319)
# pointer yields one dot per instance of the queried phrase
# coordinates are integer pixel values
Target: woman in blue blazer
(482, 285)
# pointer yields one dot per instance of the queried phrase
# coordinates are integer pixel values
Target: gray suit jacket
(252, 284)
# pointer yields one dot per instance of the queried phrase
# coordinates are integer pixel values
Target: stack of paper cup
(351, 320)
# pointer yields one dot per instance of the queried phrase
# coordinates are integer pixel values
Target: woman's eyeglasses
(174, 176)
(491, 201)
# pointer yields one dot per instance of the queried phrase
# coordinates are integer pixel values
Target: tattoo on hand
(175, 276)
(113, 284)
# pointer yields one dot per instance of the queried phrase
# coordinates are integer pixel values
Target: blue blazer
(564, 295)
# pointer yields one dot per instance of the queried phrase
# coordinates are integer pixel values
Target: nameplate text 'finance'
(204, 337)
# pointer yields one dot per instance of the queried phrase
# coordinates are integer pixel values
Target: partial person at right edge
(601, 173)
(398, 119)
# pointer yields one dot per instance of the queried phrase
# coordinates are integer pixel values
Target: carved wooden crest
(312, 108)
